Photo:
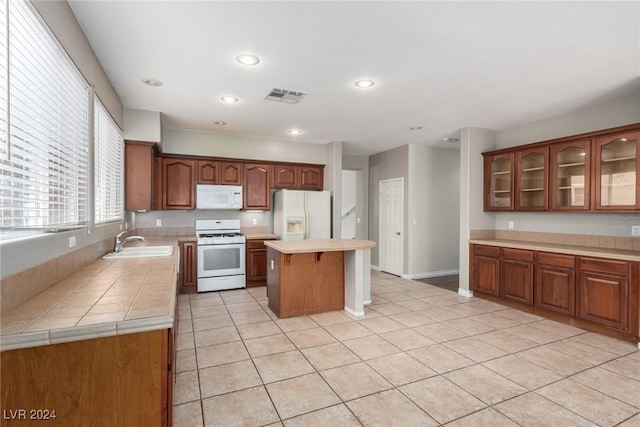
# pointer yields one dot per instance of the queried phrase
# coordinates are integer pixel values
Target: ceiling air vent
(284, 95)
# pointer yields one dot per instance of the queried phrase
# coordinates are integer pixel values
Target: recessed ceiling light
(295, 131)
(152, 82)
(220, 123)
(247, 59)
(415, 128)
(364, 84)
(450, 140)
(228, 99)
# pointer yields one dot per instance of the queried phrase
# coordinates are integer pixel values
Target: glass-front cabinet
(616, 170)
(532, 179)
(499, 181)
(570, 175)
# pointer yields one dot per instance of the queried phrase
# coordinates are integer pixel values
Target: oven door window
(220, 260)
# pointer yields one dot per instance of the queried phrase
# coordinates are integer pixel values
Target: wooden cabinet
(617, 172)
(120, 380)
(188, 279)
(596, 171)
(571, 175)
(256, 263)
(139, 170)
(219, 172)
(498, 182)
(258, 179)
(298, 177)
(603, 292)
(597, 294)
(532, 171)
(516, 275)
(555, 282)
(305, 283)
(485, 269)
(178, 183)
(286, 176)
(312, 177)
(208, 171)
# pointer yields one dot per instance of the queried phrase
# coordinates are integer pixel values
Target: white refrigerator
(299, 215)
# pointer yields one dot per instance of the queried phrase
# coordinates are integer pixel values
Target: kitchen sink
(140, 252)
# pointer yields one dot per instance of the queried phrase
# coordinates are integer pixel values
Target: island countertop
(319, 245)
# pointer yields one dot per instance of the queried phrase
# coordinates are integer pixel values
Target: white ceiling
(439, 65)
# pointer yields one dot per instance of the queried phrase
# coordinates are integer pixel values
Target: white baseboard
(465, 292)
(428, 274)
(354, 313)
(375, 267)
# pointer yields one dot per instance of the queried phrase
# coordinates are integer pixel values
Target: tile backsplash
(589, 240)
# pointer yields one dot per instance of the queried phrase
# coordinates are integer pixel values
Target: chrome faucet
(120, 243)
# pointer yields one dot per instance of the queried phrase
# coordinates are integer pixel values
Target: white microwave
(218, 196)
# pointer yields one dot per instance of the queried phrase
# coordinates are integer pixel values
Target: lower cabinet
(595, 293)
(256, 263)
(603, 292)
(485, 269)
(188, 278)
(305, 283)
(555, 283)
(121, 380)
(517, 275)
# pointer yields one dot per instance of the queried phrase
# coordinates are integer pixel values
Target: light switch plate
(72, 241)
(635, 230)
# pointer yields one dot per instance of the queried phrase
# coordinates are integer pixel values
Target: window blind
(45, 147)
(108, 154)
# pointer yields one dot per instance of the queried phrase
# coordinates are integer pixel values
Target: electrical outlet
(72, 241)
(158, 223)
(254, 221)
(635, 230)
(358, 220)
(510, 225)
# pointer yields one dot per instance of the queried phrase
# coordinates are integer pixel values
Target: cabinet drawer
(606, 266)
(517, 255)
(490, 251)
(255, 244)
(556, 260)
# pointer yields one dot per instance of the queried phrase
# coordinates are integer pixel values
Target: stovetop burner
(206, 234)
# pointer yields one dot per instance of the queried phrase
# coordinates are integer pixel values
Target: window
(44, 141)
(108, 154)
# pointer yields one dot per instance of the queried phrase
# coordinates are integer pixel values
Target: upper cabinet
(571, 176)
(532, 171)
(139, 170)
(178, 189)
(597, 171)
(258, 179)
(498, 182)
(617, 184)
(219, 172)
(298, 177)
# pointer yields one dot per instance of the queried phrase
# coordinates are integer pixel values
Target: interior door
(391, 225)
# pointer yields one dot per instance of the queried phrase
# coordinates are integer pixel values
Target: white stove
(221, 255)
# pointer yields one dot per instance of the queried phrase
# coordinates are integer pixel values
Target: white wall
(389, 164)
(360, 164)
(142, 125)
(473, 141)
(607, 115)
(349, 203)
(434, 201)
(178, 141)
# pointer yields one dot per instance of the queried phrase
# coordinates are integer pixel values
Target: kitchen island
(313, 276)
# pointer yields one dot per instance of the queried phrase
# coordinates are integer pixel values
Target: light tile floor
(421, 356)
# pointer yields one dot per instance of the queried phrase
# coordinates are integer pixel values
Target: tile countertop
(105, 298)
(319, 245)
(618, 254)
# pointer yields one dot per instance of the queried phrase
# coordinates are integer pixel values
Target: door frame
(381, 184)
